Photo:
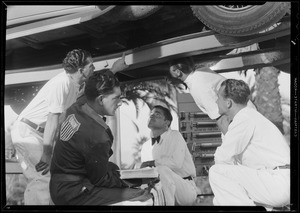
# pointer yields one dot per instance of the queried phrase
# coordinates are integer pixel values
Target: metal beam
(159, 52)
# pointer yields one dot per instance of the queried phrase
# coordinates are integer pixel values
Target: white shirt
(171, 151)
(253, 141)
(55, 96)
(203, 85)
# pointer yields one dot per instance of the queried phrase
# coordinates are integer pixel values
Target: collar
(161, 136)
(72, 79)
(240, 114)
(189, 78)
(155, 140)
(103, 117)
(90, 112)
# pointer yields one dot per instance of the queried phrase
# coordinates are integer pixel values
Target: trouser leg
(240, 185)
(29, 148)
(167, 184)
(176, 188)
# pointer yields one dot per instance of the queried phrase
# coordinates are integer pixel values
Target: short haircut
(166, 112)
(75, 59)
(102, 82)
(237, 90)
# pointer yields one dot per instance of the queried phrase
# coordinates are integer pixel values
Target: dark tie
(154, 140)
(104, 118)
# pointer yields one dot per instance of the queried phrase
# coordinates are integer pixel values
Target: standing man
(203, 84)
(253, 163)
(167, 150)
(81, 173)
(34, 130)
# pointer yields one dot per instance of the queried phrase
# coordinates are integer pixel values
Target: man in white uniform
(203, 85)
(172, 158)
(252, 164)
(33, 133)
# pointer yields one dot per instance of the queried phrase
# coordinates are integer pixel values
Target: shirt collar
(162, 136)
(72, 80)
(189, 79)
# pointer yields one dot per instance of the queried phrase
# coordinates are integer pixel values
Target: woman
(203, 84)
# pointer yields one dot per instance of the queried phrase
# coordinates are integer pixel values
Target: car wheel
(241, 20)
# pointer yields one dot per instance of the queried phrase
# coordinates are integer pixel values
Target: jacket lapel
(92, 114)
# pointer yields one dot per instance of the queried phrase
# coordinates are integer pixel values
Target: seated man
(169, 153)
(252, 164)
(81, 173)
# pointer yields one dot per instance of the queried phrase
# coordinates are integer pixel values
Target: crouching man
(81, 173)
(168, 152)
(252, 164)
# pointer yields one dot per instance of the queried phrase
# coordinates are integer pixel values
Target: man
(34, 131)
(203, 84)
(252, 164)
(169, 153)
(81, 173)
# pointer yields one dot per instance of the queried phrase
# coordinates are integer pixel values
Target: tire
(241, 20)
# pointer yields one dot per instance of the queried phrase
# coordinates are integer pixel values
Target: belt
(282, 167)
(33, 125)
(67, 177)
(188, 178)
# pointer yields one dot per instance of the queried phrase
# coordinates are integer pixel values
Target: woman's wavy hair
(185, 65)
(102, 82)
(75, 59)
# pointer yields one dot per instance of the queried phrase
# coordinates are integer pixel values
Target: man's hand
(44, 164)
(148, 164)
(119, 65)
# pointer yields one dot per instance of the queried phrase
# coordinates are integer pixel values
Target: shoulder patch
(69, 127)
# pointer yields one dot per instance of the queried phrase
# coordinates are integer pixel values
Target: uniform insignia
(69, 127)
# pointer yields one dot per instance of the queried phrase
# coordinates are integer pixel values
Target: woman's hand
(119, 65)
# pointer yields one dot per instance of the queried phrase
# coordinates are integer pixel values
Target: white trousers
(237, 185)
(176, 189)
(29, 148)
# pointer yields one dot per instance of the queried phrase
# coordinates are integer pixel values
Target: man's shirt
(203, 84)
(55, 96)
(171, 151)
(254, 141)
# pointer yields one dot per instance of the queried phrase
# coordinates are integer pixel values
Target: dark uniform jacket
(80, 159)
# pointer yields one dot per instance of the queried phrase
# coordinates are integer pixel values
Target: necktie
(104, 118)
(154, 140)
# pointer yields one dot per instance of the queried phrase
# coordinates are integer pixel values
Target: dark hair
(166, 113)
(102, 82)
(185, 65)
(237, 90)
(75, 59)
